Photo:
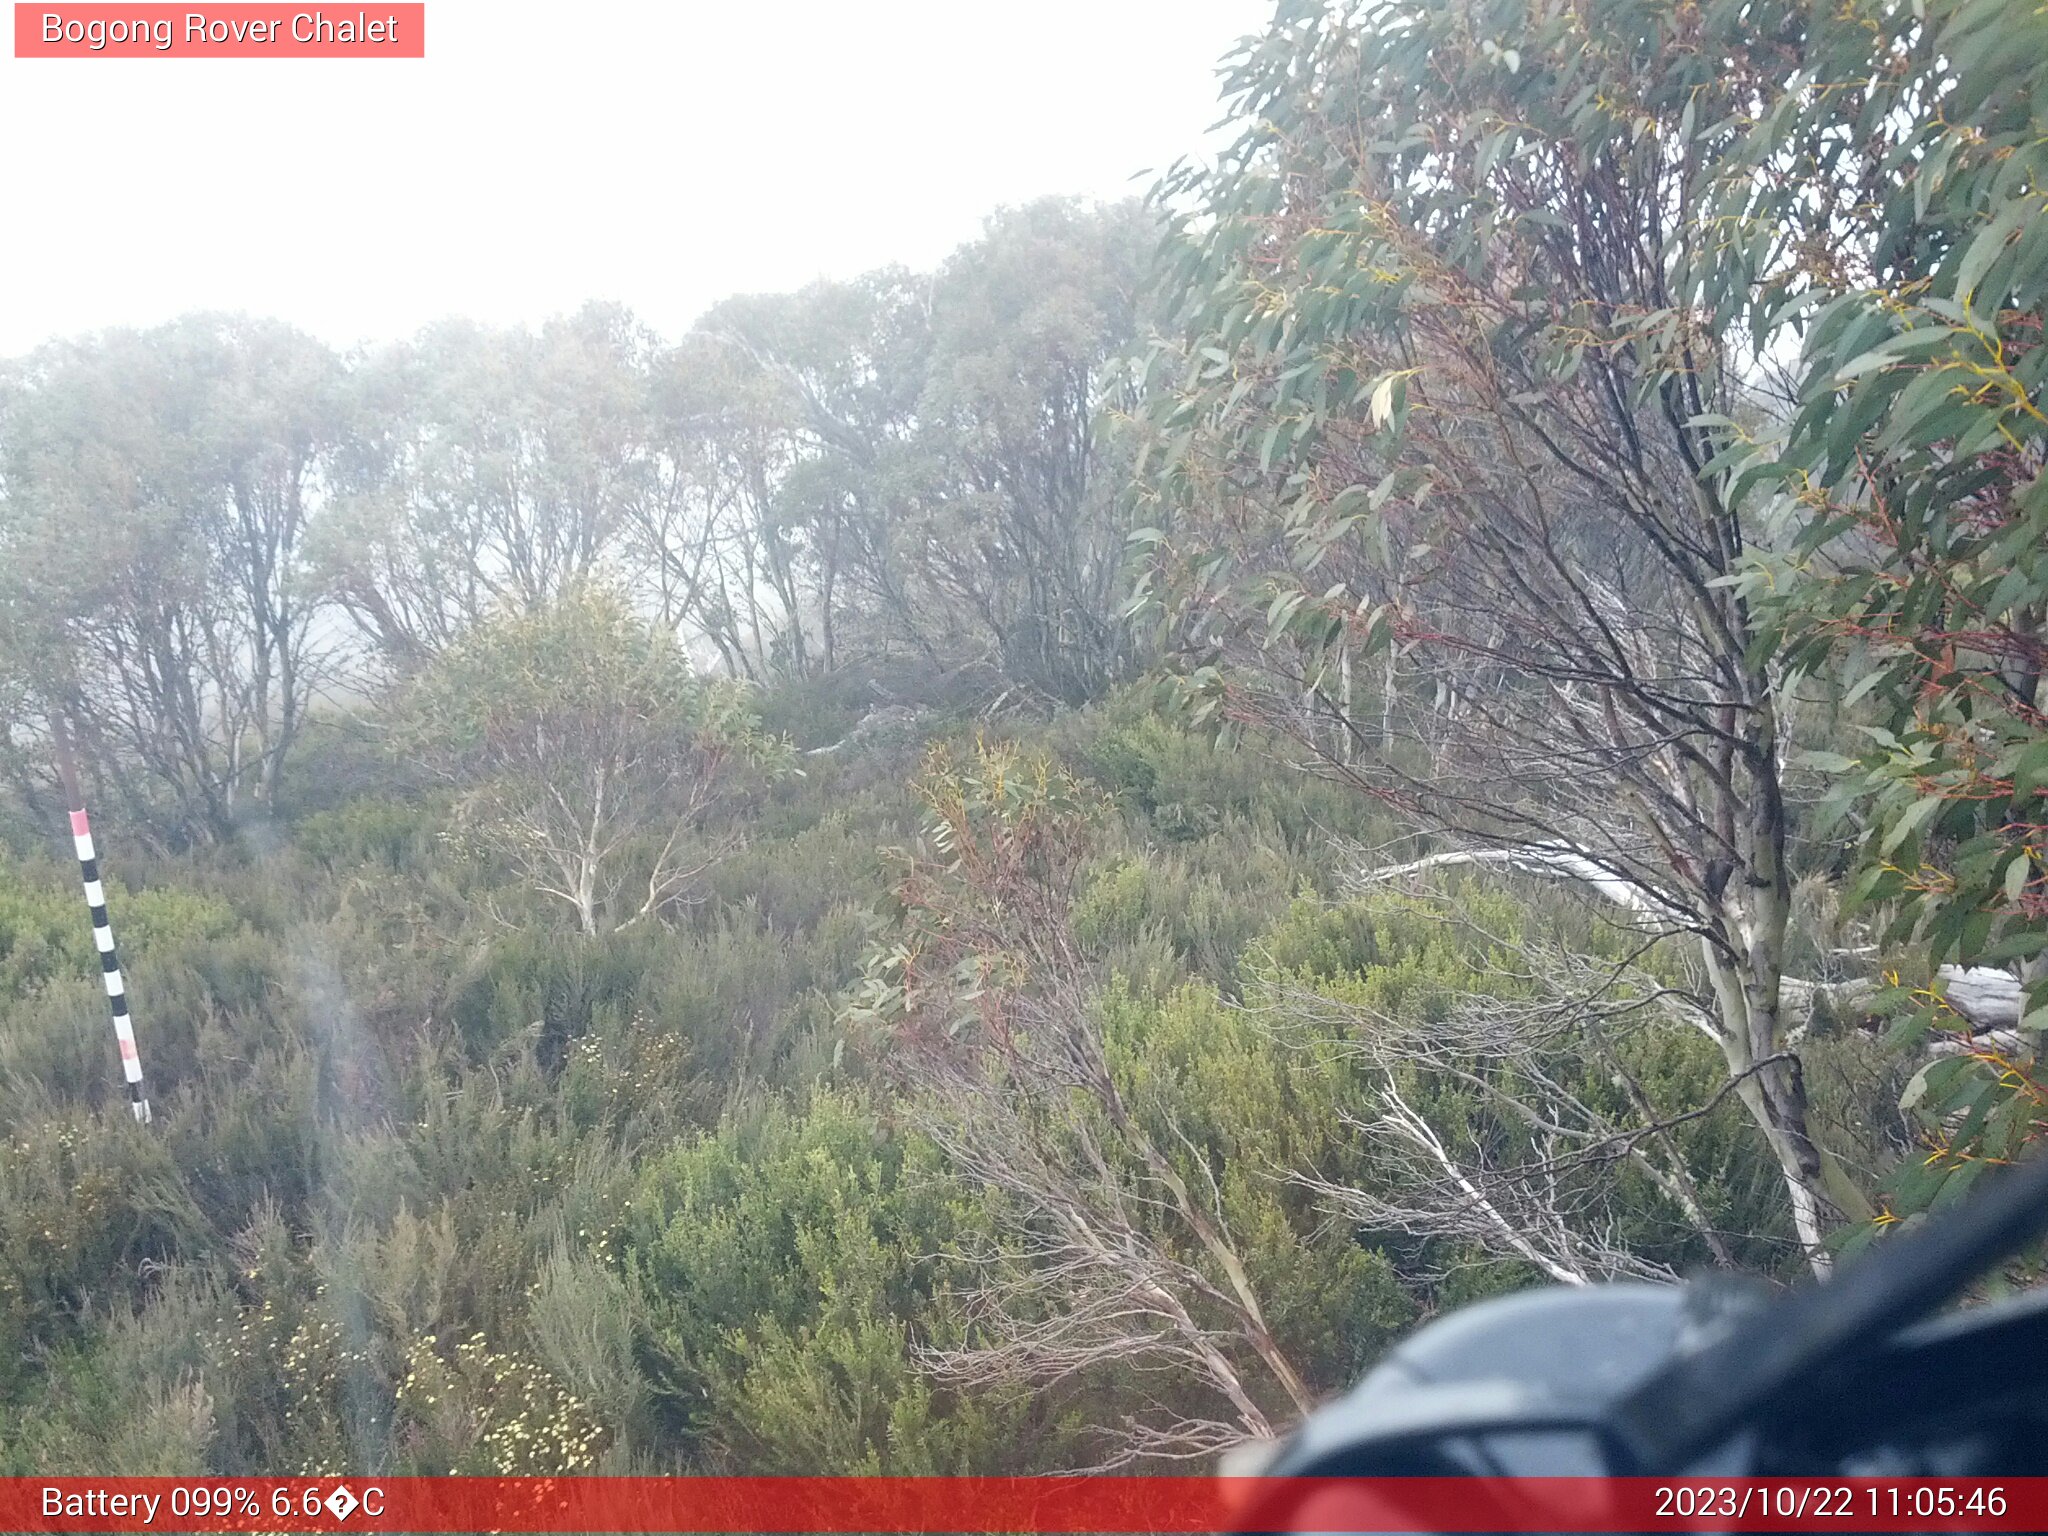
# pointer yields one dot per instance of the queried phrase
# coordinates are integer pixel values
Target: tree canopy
(1019, 866)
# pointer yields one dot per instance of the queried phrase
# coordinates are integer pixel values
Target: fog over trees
(1019, 867)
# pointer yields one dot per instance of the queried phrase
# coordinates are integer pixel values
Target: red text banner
(234, 31)
(745, 1506)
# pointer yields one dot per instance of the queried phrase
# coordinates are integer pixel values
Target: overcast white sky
(662, 154)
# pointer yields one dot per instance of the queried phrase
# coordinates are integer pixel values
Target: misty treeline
(214, 523)
(1020, 867)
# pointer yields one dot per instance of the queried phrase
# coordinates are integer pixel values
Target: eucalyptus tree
(1120, 1253)
(1886, 225)
(1441, 394)
(844, 362)
(159, 488)
(717, 443)
(489, 469)
(944, 485)
(585, 755)
(1025, 533)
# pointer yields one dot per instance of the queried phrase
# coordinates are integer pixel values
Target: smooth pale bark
(1757, 1012)
(1986, 998)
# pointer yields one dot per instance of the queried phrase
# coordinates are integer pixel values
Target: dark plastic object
(1714, 1378)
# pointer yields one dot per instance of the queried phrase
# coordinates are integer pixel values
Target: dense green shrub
(436, 1186)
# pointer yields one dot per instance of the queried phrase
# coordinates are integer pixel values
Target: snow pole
(102, 930)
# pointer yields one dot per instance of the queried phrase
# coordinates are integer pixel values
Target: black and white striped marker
(110, 968)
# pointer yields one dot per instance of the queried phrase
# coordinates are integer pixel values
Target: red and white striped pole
(102, 930)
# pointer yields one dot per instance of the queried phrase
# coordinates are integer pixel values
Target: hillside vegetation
(1021, 867)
